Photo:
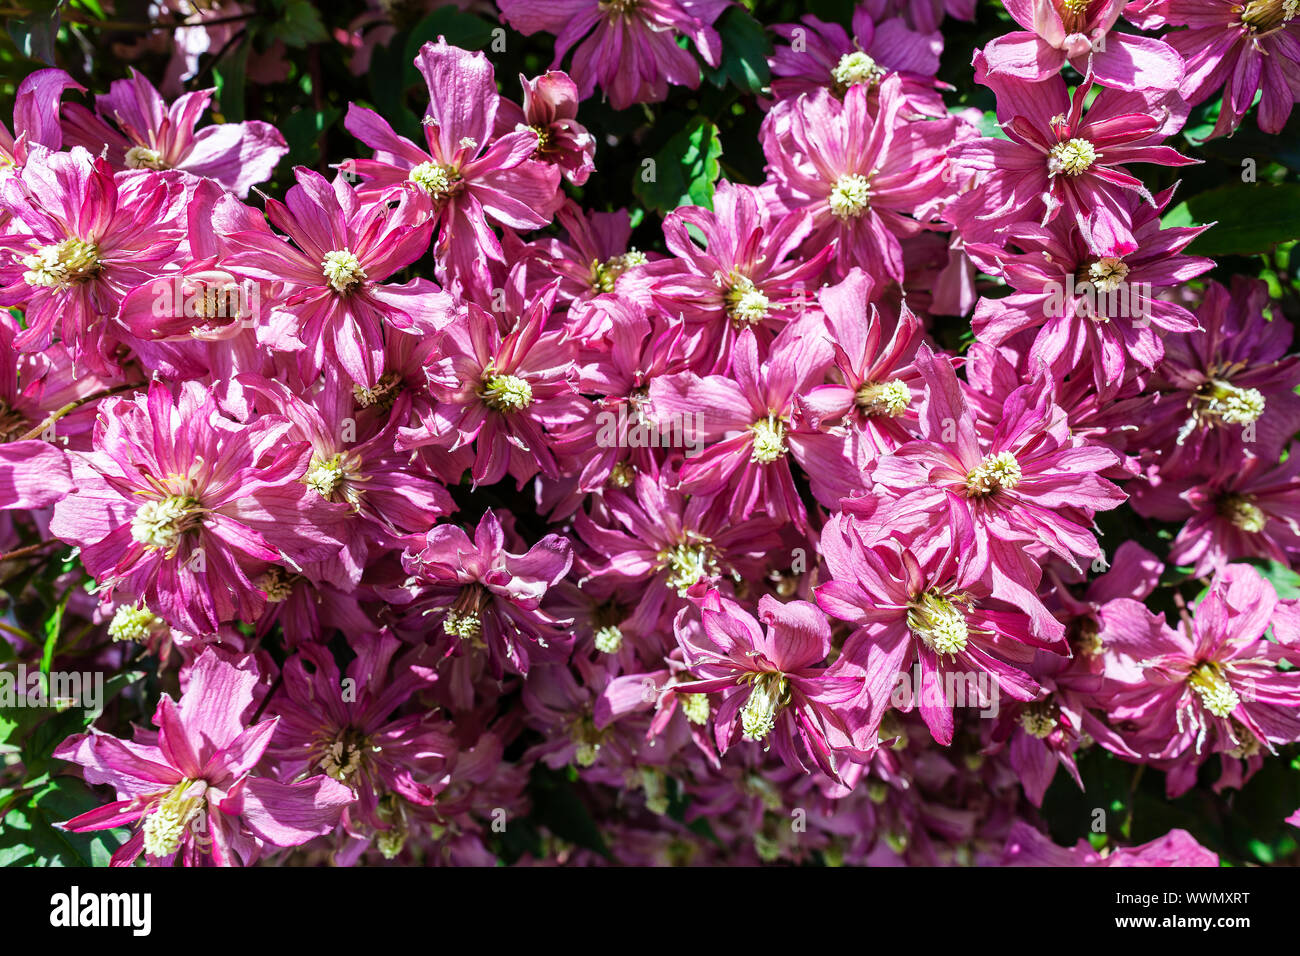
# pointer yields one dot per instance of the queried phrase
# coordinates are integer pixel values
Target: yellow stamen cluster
(506, 393)
(62, 265)
(1217, 694)
(342, 270)
(938, 622)
(883, 398)
(856, 67)
(1074, 157)
(161, 523)
(1000, 472)
(770, 694)
(769, 440)
(850, 196)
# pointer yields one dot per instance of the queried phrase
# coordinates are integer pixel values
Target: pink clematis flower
(828, 57)
(752, 422)
(191, 785)
(1249, 49)
(333, 273)
(1057, 160)
(1226, 392)
(659, 544)
(386, 760)
(1213, 685)
(1098, 312)
(925, 605)
(1028, 481)
(775, 689)
(744, 275)
(354, 462)
(861, 173)
(136, 129)
(465, 175)
(183, 508)
(89, 238)
(632, 53)
(1239, 511)
(1081, 34)
(550, 112)
(503, 393)
(875, 383)
(487, 597)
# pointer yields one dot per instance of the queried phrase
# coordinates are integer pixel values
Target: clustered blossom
(468, 484)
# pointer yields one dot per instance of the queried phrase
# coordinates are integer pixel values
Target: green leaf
(299, 24)
(53, 625)
(29, 837)
(1250, 217)
(302, 131)
(745, 49)
(35, 33)
(557, 806)
(230, 76)
(684, 170)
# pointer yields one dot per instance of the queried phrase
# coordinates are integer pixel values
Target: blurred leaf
(684, 170)
(298, 24)
(34, 34)
(29, 837)
(230, 74)
(302, 131)
(557, 807)
(1251, 217)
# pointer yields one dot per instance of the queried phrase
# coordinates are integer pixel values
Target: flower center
(343, 755)
(746, 303)
(758, 716)
(134, 622)
(506, 393)
(276, 585)
(1000, 472)
(324, 477)
(856, 67)
(609, 639)
(1108, 273)
(883, 398)
(1073, 157)
(622, 474)
(688, 563)
(1233, 405)
(62, 265)
(1039, 718)
(435, 179)
(604, 275)
(142, 157)
(1242, 512)
(165, 825)
(463, 624)
(850, 196)
(769, 439)
(1263, 16)
(382, 395)
(1216, 693)
(1085, 637)
(696, 708)
(342, 270)
(618, 7)
(938, 622)
(160, 524)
